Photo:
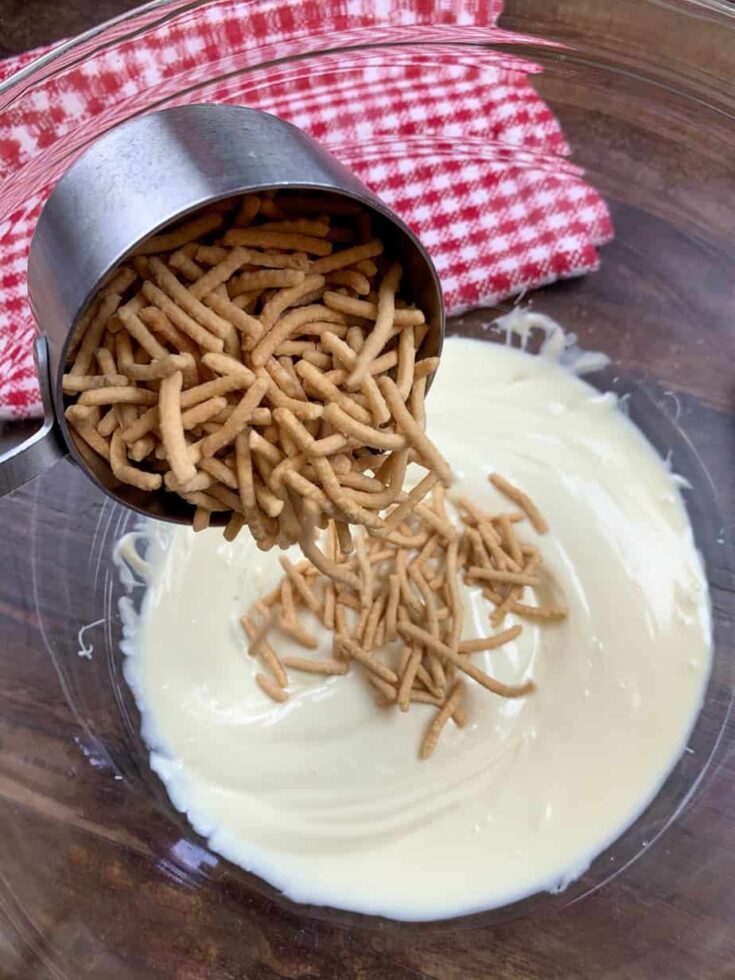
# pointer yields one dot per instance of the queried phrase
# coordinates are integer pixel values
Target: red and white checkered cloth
(454, 138)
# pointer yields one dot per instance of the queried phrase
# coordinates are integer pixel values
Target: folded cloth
(447, 130)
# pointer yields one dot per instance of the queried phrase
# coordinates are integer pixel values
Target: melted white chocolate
(324, 796)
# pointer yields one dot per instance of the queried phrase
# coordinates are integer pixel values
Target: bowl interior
(83, 584)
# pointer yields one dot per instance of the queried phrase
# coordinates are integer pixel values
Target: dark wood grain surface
(98, 881)
(29, 25)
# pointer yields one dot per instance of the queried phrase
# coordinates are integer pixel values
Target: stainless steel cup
(135, 180)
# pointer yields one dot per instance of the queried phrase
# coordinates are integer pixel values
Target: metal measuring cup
(131, 183)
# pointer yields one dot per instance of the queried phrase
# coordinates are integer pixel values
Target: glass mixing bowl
(99, 875)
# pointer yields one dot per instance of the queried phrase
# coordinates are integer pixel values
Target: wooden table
(104, 902)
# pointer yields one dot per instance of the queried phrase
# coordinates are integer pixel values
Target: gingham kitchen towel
(453, 137)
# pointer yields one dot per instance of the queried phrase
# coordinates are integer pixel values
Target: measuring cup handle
(46, 446)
